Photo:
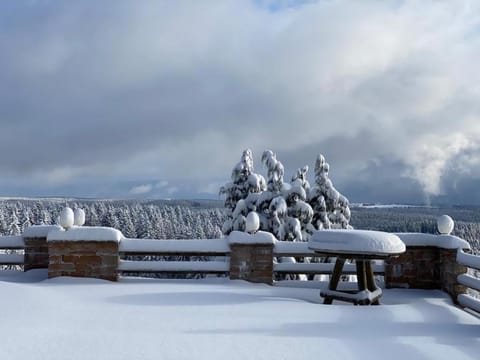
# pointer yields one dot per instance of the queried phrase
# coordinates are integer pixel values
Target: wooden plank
(196, 246)
(469, 302)
(172, 253)
(12, 243)
(11, 259)
(472, 261)
(469, 281)
(175, 266)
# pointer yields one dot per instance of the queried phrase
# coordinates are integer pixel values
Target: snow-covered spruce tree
(241, 193)
(300, 210)
(331, 209)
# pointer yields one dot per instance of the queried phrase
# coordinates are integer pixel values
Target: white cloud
(141, 189)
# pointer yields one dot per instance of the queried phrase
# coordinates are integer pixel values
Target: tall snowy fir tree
(241, 193)
(331, 209)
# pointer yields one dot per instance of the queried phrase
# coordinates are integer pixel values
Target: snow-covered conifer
(331, 209)
(300, 179)
(244, 185)
(275, 172)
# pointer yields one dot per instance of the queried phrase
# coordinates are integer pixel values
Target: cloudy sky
(159, 98)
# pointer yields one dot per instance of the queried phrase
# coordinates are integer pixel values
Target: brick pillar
(91, 259)
(417, 268)
(36, 247)
(252, 262)
(450, 270)
(426, 267)
(91, 252)
(251, 256)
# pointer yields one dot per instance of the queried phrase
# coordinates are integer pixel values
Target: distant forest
(192, 219)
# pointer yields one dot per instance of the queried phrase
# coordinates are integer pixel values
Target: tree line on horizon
(195, 220)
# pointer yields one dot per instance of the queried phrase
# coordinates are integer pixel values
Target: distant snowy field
(68, 318)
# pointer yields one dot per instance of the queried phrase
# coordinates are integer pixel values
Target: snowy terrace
(76, 315)
(217, 318)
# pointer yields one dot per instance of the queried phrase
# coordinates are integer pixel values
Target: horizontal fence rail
(12, 243)
(471, 282)
(212, 256)
(9, 246)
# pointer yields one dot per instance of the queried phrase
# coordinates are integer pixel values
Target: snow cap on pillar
(445, 224)
(66, 218)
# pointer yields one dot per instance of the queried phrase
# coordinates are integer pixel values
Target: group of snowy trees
(290, 211)
(133, 219)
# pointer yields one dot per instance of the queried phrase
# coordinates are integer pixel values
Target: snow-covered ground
(69, 318)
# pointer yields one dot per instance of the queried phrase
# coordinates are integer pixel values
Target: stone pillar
(450, 270)
(36, 247)
(84, 252)
(417, 268)
(429, 262)
(251, 257)
(253, 263)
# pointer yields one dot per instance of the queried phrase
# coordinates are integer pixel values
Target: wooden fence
(472, 282)
(207, 256)
(11, 248)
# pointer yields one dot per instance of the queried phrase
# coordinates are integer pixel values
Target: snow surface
(260, 237)
(356, 241)
(39, 231)
(86, 233)
(71, 318)
(440, 241)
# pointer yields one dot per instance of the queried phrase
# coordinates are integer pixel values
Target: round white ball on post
(445, 225)
(66, 218)
(78, 217)
(252, 223)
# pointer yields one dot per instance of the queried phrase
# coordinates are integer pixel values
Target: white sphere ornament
(253, 222)
(66, 218)
(445, 224)
(78, 217)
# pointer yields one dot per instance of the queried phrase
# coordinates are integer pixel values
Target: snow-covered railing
(8, 250)
(471, 282)
(208, 256)
(288, 252)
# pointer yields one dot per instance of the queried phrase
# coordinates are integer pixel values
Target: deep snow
(70, 318)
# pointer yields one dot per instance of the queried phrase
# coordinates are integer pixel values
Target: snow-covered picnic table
(363, 246)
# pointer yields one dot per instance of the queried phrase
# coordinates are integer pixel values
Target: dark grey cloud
(114, 92)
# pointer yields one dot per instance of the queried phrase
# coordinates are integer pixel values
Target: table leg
(337, 272)
(361, 275)
(371, 281)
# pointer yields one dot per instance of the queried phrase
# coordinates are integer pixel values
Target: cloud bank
(137, 93)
